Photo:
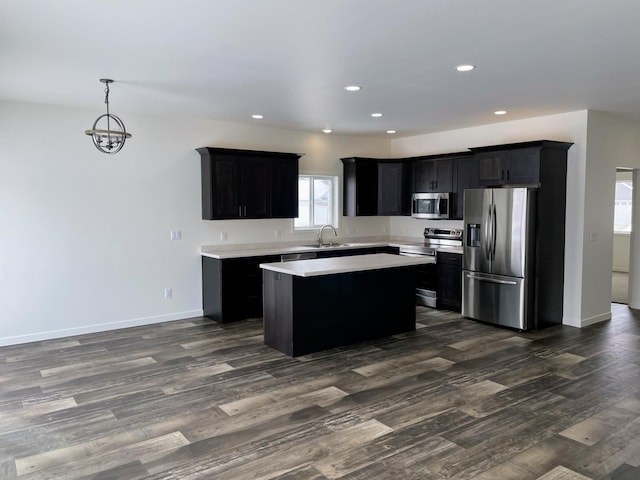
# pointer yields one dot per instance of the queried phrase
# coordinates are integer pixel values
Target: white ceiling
(290, 59)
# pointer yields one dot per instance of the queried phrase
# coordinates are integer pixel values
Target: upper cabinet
(465, 175)
(360, 186)
(394, 195)
(508, 167)
(519, 163)
(248, 184)
(375, 187)
(432, 175)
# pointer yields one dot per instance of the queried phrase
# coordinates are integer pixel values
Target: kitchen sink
(335, 245)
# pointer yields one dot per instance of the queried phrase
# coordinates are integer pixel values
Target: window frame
(618, 202)
(333, 202)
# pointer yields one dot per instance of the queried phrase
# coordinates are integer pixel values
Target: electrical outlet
(278, 233)
(223, 236)
(176, 234)
(168, 293)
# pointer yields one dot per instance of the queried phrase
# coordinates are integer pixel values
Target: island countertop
(357, 263)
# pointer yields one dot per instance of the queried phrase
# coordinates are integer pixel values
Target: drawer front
(448, 257)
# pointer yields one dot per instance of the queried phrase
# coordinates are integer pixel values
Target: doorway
(622, 226)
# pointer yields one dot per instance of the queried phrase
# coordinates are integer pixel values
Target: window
(623, 203)
(316, 201)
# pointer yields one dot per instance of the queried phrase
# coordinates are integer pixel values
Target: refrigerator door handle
(491, 280)
(487, 235)
(494, 227)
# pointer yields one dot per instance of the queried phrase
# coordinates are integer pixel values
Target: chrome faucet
(320, 239)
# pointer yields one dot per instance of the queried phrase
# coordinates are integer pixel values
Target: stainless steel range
(434, 239)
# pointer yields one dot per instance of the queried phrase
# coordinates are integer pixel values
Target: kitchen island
(313, 305)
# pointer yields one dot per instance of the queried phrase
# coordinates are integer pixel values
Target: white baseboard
(596, 319)
(99, 327)
(585, 322)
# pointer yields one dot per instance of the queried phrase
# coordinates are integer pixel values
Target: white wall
(84, 236)
(613, 142)
(602, 142)
(621, 249)
(568, 127)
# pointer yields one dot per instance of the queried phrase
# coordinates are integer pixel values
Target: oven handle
(406, 254)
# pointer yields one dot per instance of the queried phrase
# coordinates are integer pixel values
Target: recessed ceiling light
(327, 130)
(391, 131)
(257, 116)
(500, 112)
(465, 68)
(352, 88)
(376, 115)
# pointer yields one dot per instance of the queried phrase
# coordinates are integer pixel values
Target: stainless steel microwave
(430, 205)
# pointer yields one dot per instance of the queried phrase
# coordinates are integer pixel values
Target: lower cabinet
(232, 288)
(449, 290)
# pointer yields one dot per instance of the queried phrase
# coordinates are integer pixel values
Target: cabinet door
(491, 168)
(284, 188)
(523, 166)
(255, 187)
(466, 176)
(444, 175)
(225, 181)
(391, 190)
(360, 187)
(433, 175)
(424, 176)
(449, 290)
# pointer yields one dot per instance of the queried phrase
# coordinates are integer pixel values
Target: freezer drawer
(495, 299)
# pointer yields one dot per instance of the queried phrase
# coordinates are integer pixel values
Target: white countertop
(354, 263)
(228, 251)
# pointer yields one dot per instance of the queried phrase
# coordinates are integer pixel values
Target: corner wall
(567, 127)
(84, 237)
(613, 141)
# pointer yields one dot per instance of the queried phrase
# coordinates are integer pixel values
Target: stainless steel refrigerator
(498, 264)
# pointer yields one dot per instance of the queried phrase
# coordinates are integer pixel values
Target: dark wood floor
(454, 400)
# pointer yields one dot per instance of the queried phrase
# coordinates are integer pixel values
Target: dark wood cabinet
(364, 305)
(360, 187)
(465, 175)
(248, 184)
(232, 288)
(394, 196)
(432, 175)
(284, 196)
(449, 289)
(509, 167)
(374, 186)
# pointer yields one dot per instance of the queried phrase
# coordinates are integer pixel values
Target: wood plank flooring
(456, 399)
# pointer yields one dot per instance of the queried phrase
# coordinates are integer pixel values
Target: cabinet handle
(245, 210)
(508, 174)
(240, 211)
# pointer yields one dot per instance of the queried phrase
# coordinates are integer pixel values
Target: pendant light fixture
(111, 139)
